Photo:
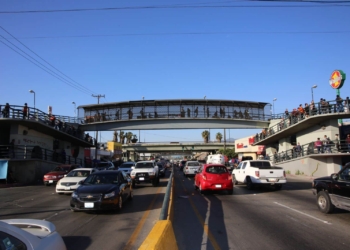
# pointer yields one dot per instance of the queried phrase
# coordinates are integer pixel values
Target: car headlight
(151, 173)
(132, 173)
(74, 195)
(109, 195)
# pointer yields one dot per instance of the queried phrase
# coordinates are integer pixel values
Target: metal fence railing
(295, 116)
(35, 152)
(310, 149)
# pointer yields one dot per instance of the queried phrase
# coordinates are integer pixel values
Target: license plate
(88, 204)
(272, 179)
(50, 181)
(66, 188)
(141, 178)
(218, 186)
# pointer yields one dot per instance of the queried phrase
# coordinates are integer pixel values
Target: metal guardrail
(35, 152)
(290, 119)
(310, 149)
(164, 211)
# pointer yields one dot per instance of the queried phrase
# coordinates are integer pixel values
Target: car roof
(80, 169)
(102, 172)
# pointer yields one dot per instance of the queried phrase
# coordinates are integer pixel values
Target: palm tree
(205, 135)
(128, 137)
(218, 136)
(122, 137)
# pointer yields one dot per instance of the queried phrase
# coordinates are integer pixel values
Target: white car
(126, 167)
(70, 182)
(30, 234)
(191, 168)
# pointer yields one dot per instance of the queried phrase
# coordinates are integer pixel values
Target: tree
(229, 152)
(122, 137)
(205, 135)
(128, 137)
(218, 136)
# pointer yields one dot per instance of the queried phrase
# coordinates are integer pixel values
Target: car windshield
(144, 165)
(126, 165)
(216, 170)
(98, 179)
(193, 164)
(260, 164)
(80, 173)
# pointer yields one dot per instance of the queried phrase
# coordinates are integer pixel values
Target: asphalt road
(81, 230)
(259, 219)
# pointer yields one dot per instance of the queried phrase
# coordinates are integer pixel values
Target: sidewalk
(304, 177)
(9, 185)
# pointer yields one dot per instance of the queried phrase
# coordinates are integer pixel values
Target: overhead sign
(337, 79)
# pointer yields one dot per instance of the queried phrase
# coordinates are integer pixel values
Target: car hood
(143, 170)
(125, 169)
(99, 188)
(72, 179)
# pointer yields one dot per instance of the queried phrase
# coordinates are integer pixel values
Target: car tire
(131, 195)
(324, 202)
(155, 182)
(195, 187)
(278, 186)
(60, 193)
(133, 184)
(120, 202)
(234, 180)
(200, 189)
(250, 185)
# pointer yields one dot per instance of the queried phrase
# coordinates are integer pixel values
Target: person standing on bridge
(347, 140)
(340, 107)
(208, 113)
(196, 112)
(318, 145)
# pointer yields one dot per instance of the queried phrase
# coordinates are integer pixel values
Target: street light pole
(33, 92)
(312, 92)
(273, 104)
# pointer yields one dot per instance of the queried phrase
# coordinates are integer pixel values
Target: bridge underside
(179, 123)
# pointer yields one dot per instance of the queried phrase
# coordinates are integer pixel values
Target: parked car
(70, 182)
(259, 173)
(102, 190)
(126, 166)
(213, 177)
(29, 234)
(58, 173)
(191, 168)
(105, 165)
(333, 191)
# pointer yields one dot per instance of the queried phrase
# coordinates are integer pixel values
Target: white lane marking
(323, 221)
(204, 244)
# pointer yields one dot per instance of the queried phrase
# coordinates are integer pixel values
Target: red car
(58, 173)
(212, 177)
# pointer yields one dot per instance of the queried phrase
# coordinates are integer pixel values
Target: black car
(333, 191)
(161, 169)
(103, 190)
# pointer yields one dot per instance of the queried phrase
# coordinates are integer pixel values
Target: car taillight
(257, 173)
(204, 177)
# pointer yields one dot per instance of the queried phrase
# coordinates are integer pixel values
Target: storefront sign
(337, 79)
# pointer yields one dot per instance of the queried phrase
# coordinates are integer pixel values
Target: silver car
(191, 167)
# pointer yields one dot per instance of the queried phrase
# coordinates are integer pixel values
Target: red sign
(337, 79)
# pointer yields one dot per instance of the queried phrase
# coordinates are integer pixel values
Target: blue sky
(256, 51)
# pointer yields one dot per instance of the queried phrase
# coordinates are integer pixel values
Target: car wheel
(200, 189)
(131, 195)
(154, 182)
(278, 186)
(234, 180)
(250, 184)
(133, 184)
(59, 193)
(324, 202)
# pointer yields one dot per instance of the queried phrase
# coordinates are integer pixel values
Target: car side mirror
(80, 182)
(334, 177)
(195, 172)
(65, 175)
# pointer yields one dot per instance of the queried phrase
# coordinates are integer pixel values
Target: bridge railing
(34, 152)
(309, 149)
(189, 111)
(293, 117)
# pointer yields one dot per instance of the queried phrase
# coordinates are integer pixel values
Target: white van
(216, 159)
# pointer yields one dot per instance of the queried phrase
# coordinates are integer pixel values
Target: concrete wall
(313, 166)
(328, 128)
(30, 171)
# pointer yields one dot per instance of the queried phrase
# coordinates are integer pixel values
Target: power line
(325, 4)
(42, 58)
(43, 67)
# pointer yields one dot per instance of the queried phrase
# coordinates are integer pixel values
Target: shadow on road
(77, 242)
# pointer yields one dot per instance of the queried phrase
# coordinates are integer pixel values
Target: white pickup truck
(259, 172)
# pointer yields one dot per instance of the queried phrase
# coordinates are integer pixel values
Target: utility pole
(98, 102)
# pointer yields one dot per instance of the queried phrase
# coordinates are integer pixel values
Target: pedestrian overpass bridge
(175, 114)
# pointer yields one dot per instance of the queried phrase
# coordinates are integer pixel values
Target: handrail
(287, 120)
(164, 211)
(35, 152)
(310, 149)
